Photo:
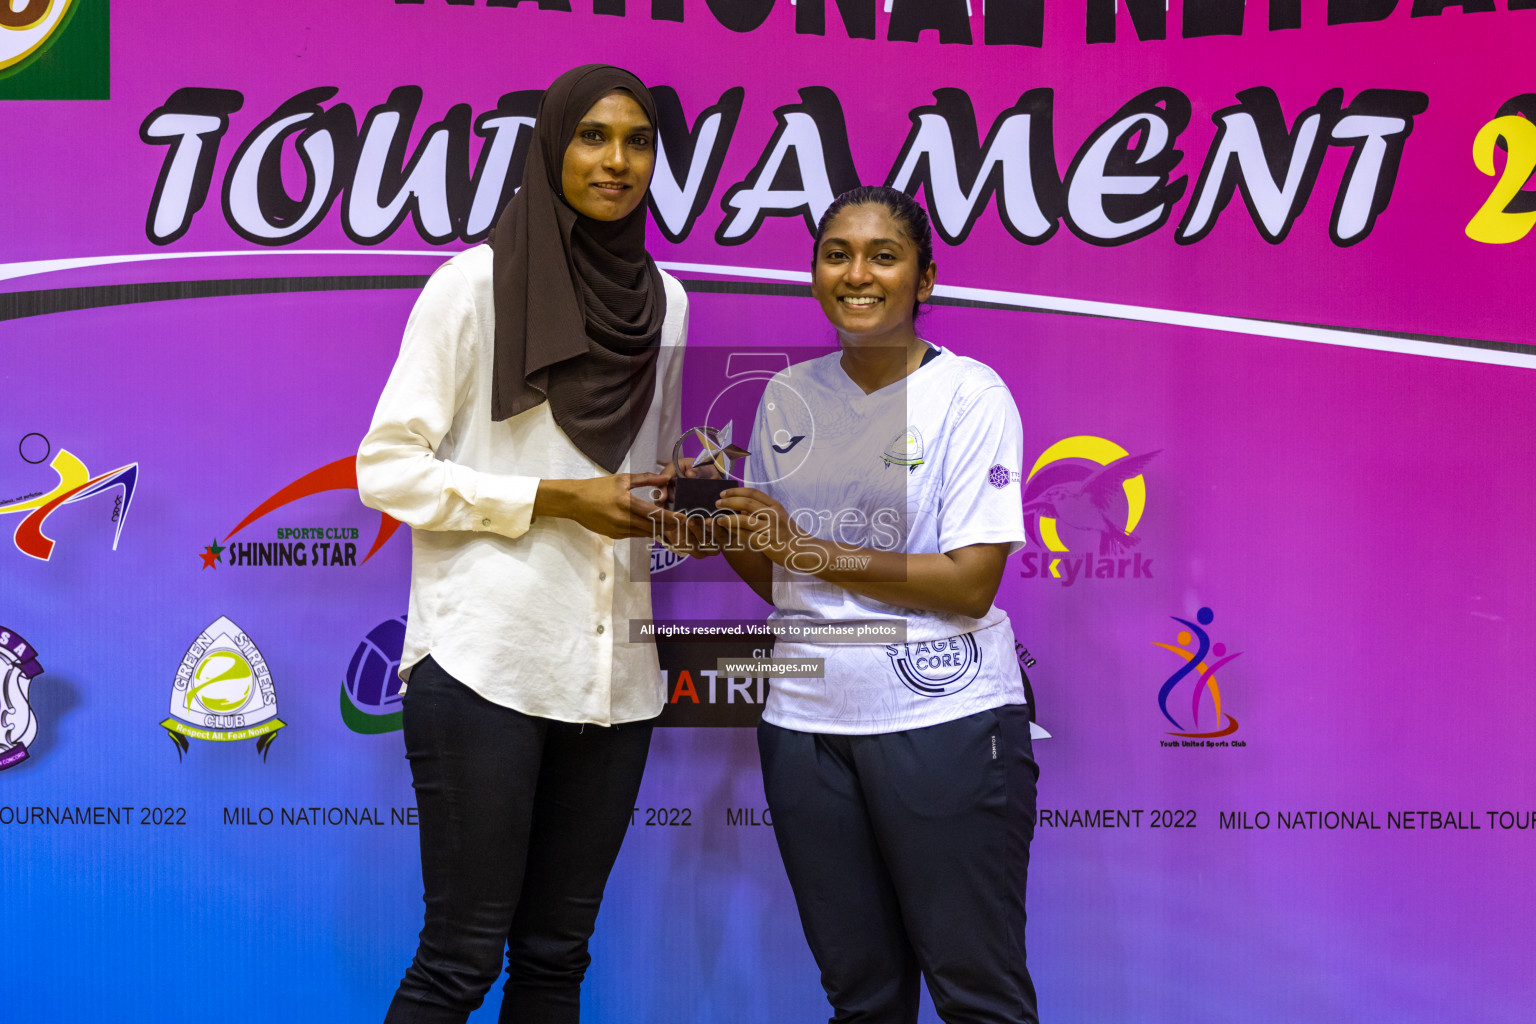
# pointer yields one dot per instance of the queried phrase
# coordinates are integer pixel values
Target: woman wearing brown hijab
(536, 376)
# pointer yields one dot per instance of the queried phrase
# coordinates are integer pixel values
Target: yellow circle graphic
(26, 30)
(1092, 449)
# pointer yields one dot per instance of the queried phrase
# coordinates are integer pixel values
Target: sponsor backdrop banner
(1259, 279)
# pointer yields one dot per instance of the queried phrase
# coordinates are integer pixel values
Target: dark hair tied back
(912, 218)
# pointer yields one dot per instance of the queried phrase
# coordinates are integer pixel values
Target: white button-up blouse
(532, 614)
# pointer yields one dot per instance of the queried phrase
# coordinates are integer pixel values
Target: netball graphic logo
(370, 694)
(223, 692)
(936, 668)
(18, 667)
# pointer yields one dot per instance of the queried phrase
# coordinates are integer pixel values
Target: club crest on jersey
(936, 668)
(905, 449)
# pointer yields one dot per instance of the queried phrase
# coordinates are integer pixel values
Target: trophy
(703, 476)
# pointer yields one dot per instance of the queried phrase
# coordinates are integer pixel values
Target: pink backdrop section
(1416, 272)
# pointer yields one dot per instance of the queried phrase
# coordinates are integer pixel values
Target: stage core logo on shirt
(936, 668)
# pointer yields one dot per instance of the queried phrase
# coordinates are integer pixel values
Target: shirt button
(602, 576)
(485, 522)
(599, 630)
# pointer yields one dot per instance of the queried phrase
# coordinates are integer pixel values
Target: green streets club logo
(53, 50)
(223, 692)
(305, 546)
(74, 483)
(905, 449)
(1083, 500)
(18, 667)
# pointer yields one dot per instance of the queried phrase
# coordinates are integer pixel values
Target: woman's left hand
(763, 523)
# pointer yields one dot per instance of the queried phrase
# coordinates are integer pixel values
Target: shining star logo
(1083, 501)
(300, 546)
(73, 483)
(1193, 688)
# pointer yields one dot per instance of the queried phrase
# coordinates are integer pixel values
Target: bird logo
(1087, 489)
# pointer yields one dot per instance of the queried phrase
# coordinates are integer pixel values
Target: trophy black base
(697, 495)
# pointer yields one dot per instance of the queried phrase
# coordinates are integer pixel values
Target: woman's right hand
(604, 504)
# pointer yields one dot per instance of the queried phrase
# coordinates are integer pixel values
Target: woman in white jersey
(902, 782)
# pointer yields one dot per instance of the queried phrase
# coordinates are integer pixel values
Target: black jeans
(521, 821)
(908, 854)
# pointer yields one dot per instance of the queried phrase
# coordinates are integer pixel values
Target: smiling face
(866, 276)
(608, 162)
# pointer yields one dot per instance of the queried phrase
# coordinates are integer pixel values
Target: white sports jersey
(930, 463)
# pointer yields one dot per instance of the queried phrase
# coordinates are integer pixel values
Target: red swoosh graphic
(340, 475)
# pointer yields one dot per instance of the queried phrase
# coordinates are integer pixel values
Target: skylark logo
(304, 546)
(74, 483)
(223, 692)
(370, 694)
(53, 49)
(1086, 494)
(1201, 659)
(18, 725)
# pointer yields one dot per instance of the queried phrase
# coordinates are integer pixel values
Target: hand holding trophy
(706, 473)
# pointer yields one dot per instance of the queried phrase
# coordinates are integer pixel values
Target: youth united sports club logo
(1193, 686)
(1083, 500)
(223, 692)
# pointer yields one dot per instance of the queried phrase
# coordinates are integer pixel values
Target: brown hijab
(579, 302)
